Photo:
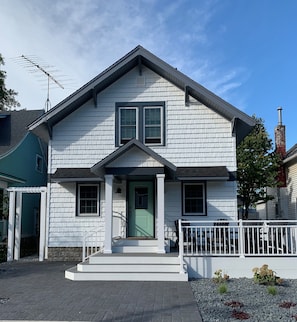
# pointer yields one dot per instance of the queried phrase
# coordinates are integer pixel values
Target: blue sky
(243, 50)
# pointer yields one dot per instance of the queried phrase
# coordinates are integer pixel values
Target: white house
(136, 148)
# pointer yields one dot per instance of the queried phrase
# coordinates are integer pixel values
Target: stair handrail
(88, 250)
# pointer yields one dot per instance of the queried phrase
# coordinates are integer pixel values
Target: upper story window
(39, 163)
(194, 200)
(142, 121)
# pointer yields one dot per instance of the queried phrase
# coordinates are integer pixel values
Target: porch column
(108, 214)
(11, 221)
(160, 212)
(42, 224)
(18, 226)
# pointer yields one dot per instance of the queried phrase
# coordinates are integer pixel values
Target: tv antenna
(34, 66)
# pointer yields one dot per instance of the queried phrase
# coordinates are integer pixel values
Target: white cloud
(81, 38)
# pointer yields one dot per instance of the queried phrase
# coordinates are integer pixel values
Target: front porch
(236, 247)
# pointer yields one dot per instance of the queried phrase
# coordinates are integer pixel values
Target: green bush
(271, 290)
(223, 289)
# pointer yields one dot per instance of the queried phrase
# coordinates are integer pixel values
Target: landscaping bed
(243, 299)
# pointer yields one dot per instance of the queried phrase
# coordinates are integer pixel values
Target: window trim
(78, 214)
(140, 107)
(161, 124)
(119, 122)
(200, 183)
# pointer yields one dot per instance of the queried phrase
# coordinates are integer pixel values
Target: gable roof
(291, 154)
(13, 127)
(126, 147)
(138, 57)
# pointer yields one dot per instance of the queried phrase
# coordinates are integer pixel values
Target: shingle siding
(194, 136)
(292, 190)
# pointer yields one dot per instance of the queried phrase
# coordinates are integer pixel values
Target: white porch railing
(92, 243)
(238, 238)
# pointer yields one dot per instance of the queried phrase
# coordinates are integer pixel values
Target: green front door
(141, 209)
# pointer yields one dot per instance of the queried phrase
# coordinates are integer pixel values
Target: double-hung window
(152, 125)
(88, 199)
(143, 121)
(194, 199)
(128, 124)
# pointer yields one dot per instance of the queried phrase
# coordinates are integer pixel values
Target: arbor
(257, 167)
(7, 96)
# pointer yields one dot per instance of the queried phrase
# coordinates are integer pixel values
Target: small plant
(234, 304)
(219, 277)
(266, 276)
(223, 288)
(240, 315)
(271, 289)
(287, 305)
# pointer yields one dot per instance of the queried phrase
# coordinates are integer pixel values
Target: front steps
(131, 260)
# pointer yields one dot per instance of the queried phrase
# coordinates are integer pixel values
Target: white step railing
(238, 238)
(92, 243)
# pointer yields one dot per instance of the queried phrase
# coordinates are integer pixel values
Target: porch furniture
(220, 237)
(189, 239)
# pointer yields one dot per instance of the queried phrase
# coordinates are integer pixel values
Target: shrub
(266, 276)
(219, 277)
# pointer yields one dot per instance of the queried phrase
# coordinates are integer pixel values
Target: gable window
(88, 199)
(143, 121)
(194, 199)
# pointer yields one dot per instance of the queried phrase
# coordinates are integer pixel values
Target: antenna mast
(49, 77)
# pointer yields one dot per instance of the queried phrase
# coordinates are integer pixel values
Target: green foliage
(3, 252)
(257, 167)
(265, 275)
(271, 289)
(7, 96)
(219, 277)
(4, 205)
(222, 288)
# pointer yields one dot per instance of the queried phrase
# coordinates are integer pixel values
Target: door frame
(153, 206)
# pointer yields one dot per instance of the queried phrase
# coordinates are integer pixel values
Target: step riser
(134, 249)
(129, 268)
(133, 260)
(135, 242)
(126, 277)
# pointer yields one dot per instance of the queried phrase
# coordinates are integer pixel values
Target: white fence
(242, 238)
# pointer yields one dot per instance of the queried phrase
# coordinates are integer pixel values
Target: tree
(257, 167)
(7, 96)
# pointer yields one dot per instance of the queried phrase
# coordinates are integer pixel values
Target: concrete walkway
(38, 291)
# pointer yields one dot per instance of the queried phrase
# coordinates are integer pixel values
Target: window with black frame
(194, 199)
(142, 121)
(88, 200)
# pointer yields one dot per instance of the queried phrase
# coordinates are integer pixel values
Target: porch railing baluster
(238, 238)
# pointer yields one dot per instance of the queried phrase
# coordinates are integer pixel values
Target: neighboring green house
(23, 163)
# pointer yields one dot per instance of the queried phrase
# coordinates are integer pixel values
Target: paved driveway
(38, 291)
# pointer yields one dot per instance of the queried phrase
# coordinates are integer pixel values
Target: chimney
(280, 144)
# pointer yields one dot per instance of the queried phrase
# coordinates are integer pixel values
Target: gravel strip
(257, 302)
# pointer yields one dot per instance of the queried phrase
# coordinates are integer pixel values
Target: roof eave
(137, 56)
